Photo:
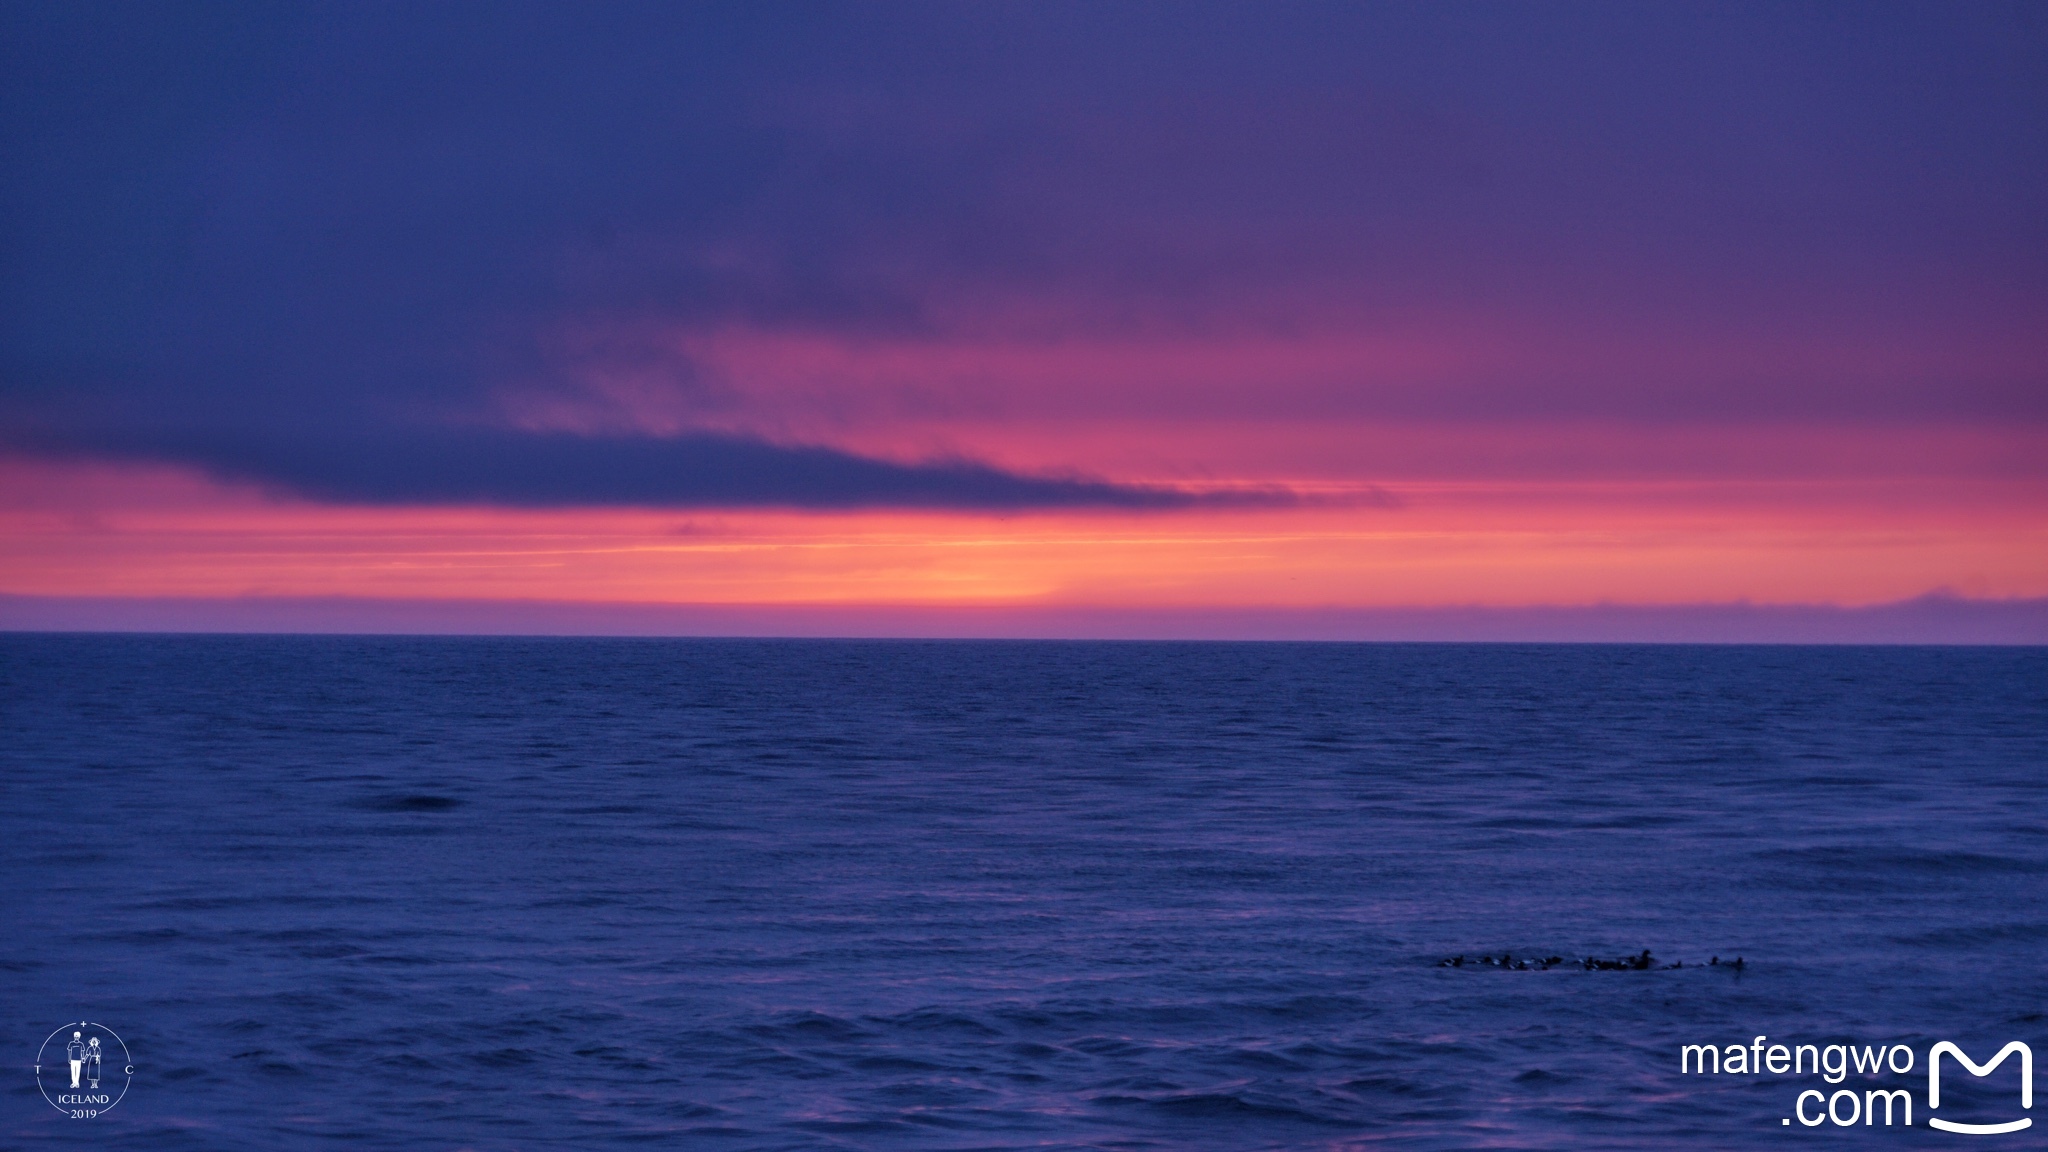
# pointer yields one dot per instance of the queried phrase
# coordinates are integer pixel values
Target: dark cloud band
(546, 470)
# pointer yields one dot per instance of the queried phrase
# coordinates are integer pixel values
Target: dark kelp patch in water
(1641, 962)
(408, 803)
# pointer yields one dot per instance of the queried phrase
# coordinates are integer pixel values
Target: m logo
(1976, 1069)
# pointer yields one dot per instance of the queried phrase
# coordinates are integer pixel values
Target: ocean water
(373, 893)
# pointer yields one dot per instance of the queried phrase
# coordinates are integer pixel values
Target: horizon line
(1935, 618)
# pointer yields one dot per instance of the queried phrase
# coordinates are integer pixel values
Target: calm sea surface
(346, 893)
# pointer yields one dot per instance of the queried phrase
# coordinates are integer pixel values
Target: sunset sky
(840, 318)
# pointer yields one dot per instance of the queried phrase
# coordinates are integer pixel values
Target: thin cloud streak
(515, 469)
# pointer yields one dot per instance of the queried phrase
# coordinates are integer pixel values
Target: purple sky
(1162, 262)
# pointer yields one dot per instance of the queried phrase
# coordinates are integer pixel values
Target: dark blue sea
(375, 893)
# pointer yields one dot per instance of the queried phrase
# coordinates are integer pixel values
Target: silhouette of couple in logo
(85, 1058)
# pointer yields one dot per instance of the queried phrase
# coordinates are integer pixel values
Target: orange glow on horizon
(88, 530)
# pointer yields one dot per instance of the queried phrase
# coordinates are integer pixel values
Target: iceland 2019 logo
(84, 1069)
